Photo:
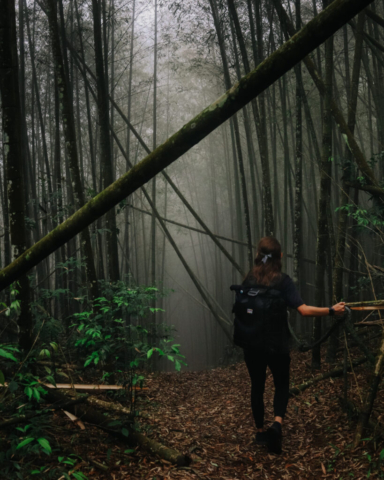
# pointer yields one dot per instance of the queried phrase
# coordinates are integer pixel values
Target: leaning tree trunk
(276, 65)
(166, 176)
(70, 140)
(12, 151)
(325, 194)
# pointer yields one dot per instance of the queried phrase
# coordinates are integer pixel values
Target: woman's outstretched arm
(309, 311)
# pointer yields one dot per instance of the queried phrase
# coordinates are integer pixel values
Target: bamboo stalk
(250, 86)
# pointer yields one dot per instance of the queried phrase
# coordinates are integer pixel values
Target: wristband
(331, 311)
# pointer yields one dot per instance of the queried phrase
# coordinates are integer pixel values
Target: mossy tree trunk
(13, 159)
(272, 68)
(168, 179)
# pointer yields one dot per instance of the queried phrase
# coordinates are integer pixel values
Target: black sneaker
(261, 438)
(274, 438)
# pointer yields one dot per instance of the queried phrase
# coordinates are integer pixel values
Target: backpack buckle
(253, 293)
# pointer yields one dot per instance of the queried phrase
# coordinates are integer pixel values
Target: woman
(272, 343)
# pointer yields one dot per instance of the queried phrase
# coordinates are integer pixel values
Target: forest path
(208, 413)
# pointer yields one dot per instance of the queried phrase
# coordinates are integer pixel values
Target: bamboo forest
(191, 239)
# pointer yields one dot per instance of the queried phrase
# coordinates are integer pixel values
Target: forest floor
(207, 415)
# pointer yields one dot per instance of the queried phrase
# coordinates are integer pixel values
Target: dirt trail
(208, 415)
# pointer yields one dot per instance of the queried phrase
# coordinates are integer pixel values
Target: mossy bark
(282, 60)
(83, 68)
(13, 159)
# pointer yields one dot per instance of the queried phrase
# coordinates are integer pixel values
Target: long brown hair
(267, 267)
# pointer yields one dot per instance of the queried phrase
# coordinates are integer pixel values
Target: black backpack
(261, 318)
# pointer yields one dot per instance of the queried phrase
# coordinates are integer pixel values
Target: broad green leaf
(29, 392)
(79, 476)
(8, 355)
(45, 444)
(125, 432)
(36, 394)
(87, 362)
(114, 423)
(149, 353)
(25, 442)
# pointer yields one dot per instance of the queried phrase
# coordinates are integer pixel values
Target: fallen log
(337, 372)
(90, 415)
(111, 407)
(108, 406)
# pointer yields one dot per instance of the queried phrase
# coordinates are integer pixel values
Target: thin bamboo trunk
(325, 193)
(70, 140)
(284, 58)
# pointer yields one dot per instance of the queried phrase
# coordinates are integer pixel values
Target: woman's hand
(339, 308)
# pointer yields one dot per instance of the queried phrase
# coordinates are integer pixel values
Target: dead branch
(337, 372)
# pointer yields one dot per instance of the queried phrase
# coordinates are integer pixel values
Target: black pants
(257, 363)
